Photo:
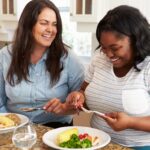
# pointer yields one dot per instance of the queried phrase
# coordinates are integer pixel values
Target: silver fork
(92, 111)
(29, 109)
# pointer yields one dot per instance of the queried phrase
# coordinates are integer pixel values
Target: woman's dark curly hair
(23, 44)
(128, 21)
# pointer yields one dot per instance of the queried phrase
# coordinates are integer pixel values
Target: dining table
(6, 141)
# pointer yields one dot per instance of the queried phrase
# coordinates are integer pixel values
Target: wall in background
(83, 119)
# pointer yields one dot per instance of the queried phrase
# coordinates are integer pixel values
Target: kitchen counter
(6, 143)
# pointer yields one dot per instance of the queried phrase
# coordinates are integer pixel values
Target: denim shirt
(39, 90)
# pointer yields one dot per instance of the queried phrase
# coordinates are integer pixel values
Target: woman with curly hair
(117, 81)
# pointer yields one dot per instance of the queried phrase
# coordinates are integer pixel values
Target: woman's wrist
(82, 92)
(131, 122)
(140, 123)
(135, 123)
(67, 110)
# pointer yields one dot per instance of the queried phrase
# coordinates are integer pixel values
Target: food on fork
(9, 120)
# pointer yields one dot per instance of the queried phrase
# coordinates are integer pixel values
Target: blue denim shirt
(39, 90)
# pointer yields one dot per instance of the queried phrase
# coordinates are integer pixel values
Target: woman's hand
(118, 121)
(55, 106)
(75, 100)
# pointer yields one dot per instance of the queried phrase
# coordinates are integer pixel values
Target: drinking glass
(24, 137)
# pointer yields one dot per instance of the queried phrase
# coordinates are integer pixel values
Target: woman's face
(45, 29)
(117, 49)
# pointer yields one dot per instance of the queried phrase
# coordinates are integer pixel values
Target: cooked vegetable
(75, 142)
(6, 122)
(66, 135)
(9, 120)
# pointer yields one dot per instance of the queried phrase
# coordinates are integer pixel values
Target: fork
(92, 111)
(29, 109)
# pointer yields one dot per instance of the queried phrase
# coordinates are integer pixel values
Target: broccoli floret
(75, 142)
(86, 143)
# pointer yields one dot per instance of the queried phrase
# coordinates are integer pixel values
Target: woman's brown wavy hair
(23, 44)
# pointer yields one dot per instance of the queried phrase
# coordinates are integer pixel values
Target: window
(80, 42)
(8, 6)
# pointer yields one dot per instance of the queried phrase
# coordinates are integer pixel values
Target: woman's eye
(54, 24)
(116, 48)
(43, 23)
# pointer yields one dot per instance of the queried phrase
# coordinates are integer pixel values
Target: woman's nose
(109, 53)
(49, 28)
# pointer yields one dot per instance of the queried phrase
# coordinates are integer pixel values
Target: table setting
(44, 138)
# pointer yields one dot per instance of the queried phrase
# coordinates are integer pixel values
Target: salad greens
(75, 142)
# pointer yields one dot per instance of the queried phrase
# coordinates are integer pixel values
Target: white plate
(24, 120)
(49, 138)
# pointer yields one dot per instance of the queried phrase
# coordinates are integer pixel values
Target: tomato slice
(80, 136)
(85, 135)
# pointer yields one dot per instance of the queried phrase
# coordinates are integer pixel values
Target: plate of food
(76, 138)
(9, 121)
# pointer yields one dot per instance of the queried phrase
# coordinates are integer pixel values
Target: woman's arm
(120, 121)
(140, 123)
(72, 104)
(77, 98)
(3, 97)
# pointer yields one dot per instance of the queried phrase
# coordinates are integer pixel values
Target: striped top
(105, 94)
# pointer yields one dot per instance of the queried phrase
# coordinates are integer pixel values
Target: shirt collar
(44, 57)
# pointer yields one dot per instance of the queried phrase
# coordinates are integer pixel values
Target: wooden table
(6, 143)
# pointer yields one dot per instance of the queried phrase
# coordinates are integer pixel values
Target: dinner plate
(50, 137)
(24, 120)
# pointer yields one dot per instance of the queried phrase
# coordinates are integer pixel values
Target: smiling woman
(44, 32)
(38, 65)
(117, 79)
(45, 29)
(118, 49)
